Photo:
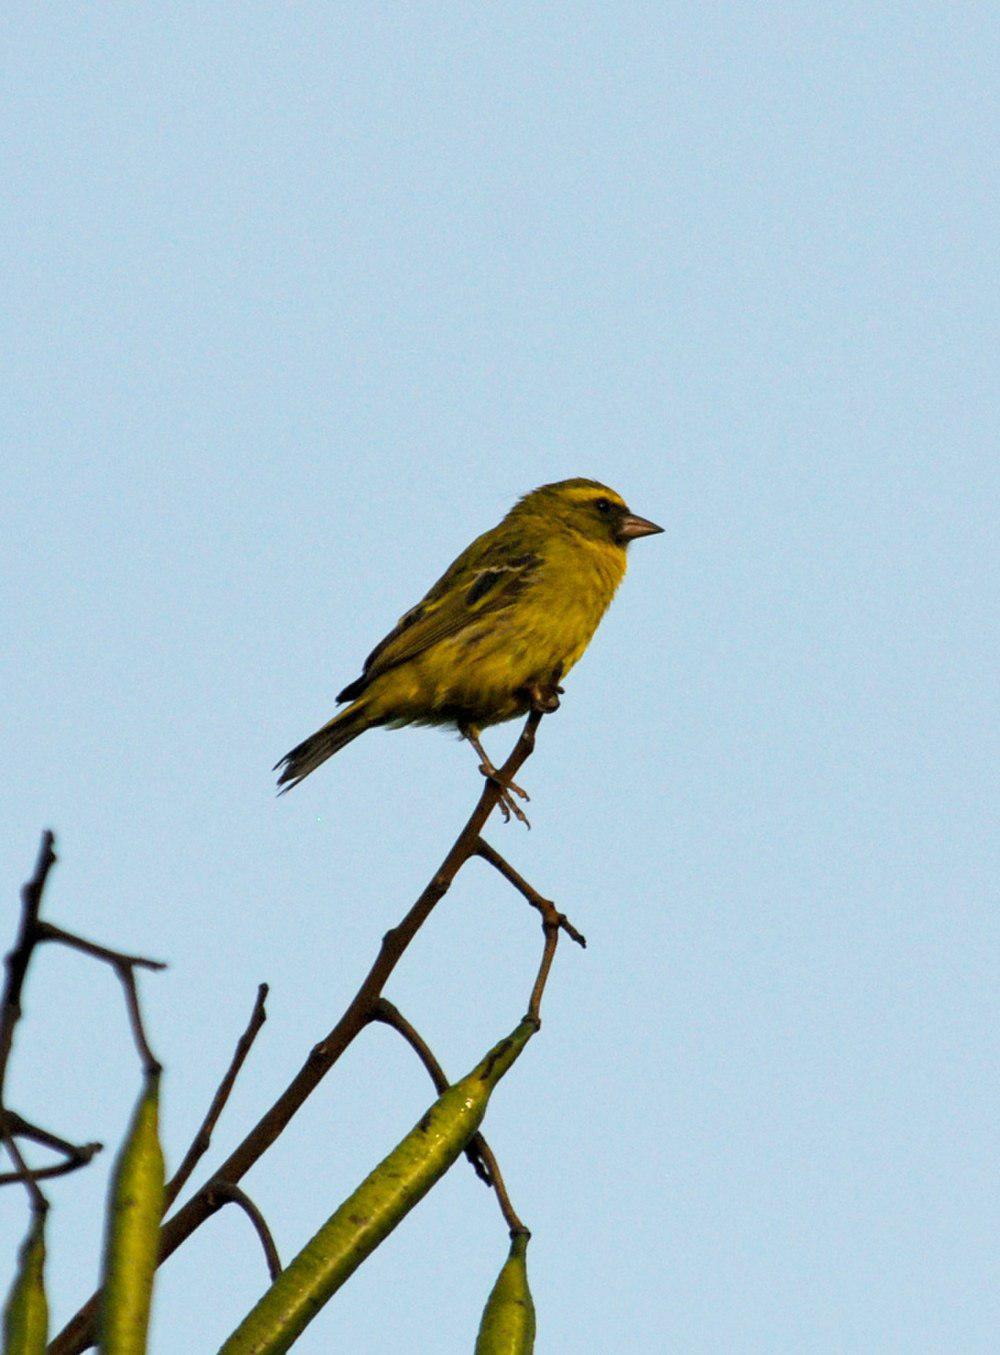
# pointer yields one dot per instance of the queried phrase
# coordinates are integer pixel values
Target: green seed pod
(133, 1231)
(508, 1325)
(26, 1316)
(368, 1216)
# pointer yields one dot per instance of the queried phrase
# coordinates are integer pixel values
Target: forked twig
(32, 932)
(125, 967)
(79, 1332)
(550, 913)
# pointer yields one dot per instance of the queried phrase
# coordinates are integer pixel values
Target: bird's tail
(310, 753)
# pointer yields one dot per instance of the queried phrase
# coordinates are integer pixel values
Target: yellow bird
(497, 632)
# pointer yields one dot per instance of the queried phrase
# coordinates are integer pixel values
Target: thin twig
(477, 1150)
(30, 932)
(20, 956)
(39, 1204)
(202, 1140)
(550, 913)
(500, 1188)
(224, 1192)
(551, 930)
(553, 922)
(56, 1169)
(76, 1155)
(24, 1129)
(79, 1332)
(389, 1015)
(47, 931)
(125, 967)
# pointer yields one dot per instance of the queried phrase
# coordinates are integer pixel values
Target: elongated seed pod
(135, 1208)
(508, 1325)
(368, 1216)
(26, 1315)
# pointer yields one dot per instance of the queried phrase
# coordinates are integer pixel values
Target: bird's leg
(508, 789)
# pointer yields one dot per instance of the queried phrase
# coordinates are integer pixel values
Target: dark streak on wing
(487, 580)
(505, 579)
(408, 619)
(404, 623)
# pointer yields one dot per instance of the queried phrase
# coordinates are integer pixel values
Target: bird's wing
(486, 578)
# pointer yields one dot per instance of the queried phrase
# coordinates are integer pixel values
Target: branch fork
(367, 1005)
(32, 932)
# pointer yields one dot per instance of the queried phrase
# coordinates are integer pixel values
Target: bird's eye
(603, 505)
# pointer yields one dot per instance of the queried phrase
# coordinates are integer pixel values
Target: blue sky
(297, 300)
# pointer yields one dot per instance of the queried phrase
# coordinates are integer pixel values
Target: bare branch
(125, 967)
(56, 1169)
(39, 1204)
(224, 1192)
(203, 1138)
(24, 1129)
(117, 958)
(478, 1151)
(20, 956)
(551, 930)
(550, 914)
(552, 920)
(500, 1188)
(79, 1332)
(389, 1015)
(10, 1013)
(14, 1126)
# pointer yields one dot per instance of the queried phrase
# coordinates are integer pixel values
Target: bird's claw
(508, 806)
(508, 789)
(544, 700)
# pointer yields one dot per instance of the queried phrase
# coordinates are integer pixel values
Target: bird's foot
(508, 789)
(543, 700)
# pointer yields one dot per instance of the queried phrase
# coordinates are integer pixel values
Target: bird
(495, 636)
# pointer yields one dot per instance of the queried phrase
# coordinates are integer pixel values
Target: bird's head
(589, 508)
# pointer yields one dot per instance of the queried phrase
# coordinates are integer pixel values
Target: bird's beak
(631, 527)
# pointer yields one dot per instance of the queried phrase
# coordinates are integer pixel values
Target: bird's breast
(573, 592)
